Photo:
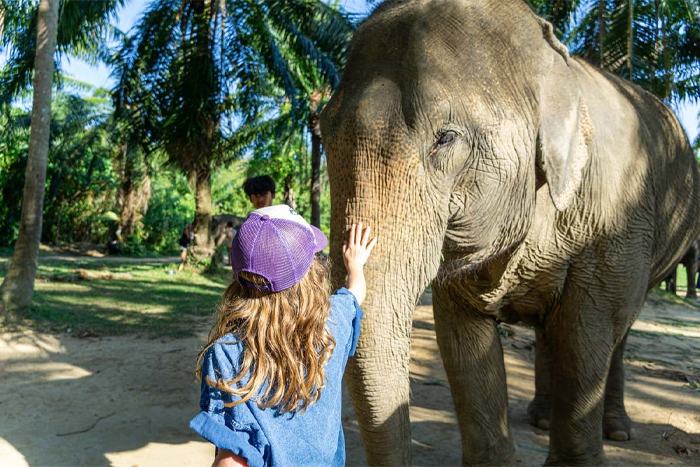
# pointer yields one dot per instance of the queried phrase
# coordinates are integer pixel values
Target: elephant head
(449, 117)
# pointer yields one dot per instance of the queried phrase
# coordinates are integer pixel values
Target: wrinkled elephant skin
(218, 232)
(527, 186)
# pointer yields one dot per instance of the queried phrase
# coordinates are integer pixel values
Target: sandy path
(126, 401)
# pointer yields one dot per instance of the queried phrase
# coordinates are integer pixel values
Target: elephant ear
(565, 128)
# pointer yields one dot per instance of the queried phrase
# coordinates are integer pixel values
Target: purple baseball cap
(276, 243)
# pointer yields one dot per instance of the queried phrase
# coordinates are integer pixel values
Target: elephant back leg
(671, 281)
(691, 268)
(582, 347)
(538, 411)
(616, 424)
(471, 351)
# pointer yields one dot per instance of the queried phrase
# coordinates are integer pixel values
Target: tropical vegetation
(209, 92)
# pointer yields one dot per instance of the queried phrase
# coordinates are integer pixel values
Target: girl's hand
(358, 247)
(356, 252)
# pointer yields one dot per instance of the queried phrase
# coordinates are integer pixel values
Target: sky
(129, 14)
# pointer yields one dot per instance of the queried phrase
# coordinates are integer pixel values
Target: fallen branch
(82, 275)
(94, 424)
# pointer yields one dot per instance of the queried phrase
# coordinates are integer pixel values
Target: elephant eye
(445, 139)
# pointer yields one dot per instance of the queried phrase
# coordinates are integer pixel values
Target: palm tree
(653, 43)
(82, 30)
(214, 70)
(133, 141)
(79, 175)
(18, 287)
(32, 35)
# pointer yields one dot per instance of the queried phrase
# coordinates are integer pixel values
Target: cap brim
(321, 239)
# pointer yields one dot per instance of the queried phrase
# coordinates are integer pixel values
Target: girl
(272, 370)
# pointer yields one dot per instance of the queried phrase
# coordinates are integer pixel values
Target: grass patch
(151, 302)
(659, 296)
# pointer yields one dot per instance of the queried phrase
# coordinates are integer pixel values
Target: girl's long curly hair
(285, 339)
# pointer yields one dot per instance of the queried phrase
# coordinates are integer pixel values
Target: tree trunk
(18, 287)
(601, 32)
(202, 217)
(289, 198)
(137, 194)
(315, 129)
(665, 53)
(630, 39)
(134, 190)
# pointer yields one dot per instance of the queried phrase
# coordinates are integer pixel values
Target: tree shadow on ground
(127, 400)
(658, 401)
(121, 306)
(70, 401)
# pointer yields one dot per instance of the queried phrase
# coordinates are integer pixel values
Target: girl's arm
(226, 458)
(356, 252)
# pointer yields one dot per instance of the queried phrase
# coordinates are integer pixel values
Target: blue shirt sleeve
(344, 306)
(232, 428)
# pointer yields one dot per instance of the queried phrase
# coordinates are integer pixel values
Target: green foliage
(654, 43)
(227, 189)
(206, 83)
(80, 176)
(14, 142)
(79, 171)
(170, 209)
(83, 29)
(134, 246)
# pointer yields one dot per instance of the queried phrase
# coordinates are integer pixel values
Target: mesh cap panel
(280, 250)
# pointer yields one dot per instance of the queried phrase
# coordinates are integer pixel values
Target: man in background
(260, 190)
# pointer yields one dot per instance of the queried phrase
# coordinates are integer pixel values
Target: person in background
(260, 190)
(185, 240)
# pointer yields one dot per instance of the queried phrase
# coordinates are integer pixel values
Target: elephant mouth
(480, 270)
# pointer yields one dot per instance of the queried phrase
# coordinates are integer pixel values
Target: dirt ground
(126, 401)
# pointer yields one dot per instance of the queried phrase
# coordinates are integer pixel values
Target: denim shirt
(265, 437)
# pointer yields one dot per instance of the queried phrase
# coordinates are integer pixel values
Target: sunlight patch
(173, 455)
(11, 456)
(19, 373)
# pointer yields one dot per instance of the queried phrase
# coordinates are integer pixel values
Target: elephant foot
(693, 296)
(502, 455)
(598, 459)
(618, 427)
(538, 412)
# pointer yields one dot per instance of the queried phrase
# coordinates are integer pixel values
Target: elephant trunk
(405, 258)
(377, 378)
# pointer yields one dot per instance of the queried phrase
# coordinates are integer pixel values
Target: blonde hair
(285, 339)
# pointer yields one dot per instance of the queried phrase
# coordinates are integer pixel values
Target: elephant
(217, 230)
(527, 186)
(690, 261)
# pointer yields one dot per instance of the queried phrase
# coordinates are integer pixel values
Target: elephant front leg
(471, 351)
(617, 425)
(539, 410)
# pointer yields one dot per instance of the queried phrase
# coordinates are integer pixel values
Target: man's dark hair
(259, 185)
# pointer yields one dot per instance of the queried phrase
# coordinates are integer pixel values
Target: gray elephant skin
(526, 185)
(218, 232)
